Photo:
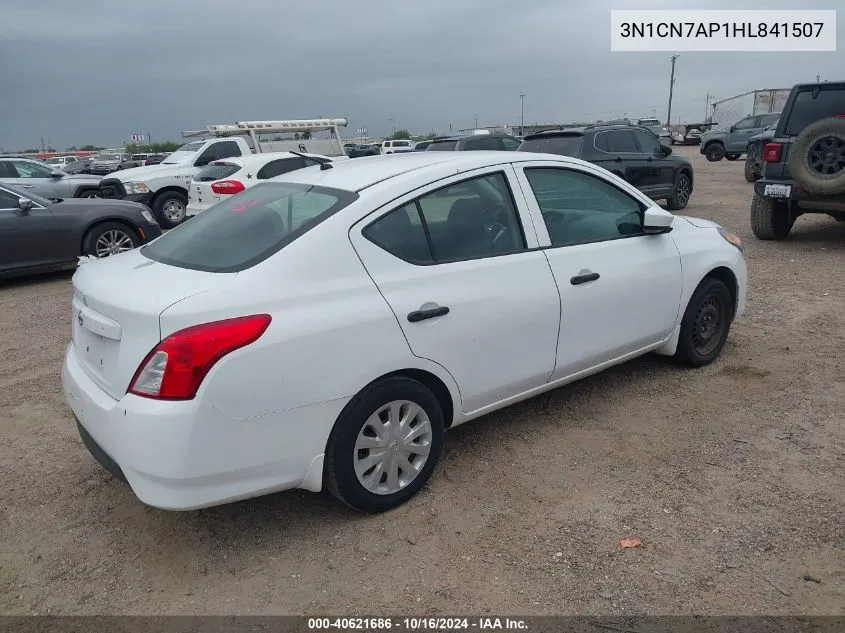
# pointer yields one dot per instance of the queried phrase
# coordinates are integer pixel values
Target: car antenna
(325, 163)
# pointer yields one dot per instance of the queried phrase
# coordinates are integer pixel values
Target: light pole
(674, 58)
(393, 123)
(476, 121)
(522, 115)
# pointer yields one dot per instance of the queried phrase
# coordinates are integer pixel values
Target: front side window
(510, 144)
(249, 227)
(578, 208)
(31, 170)
(648, 142)
(482, 143)
(746, 123)
(8, 200)
(471, 219)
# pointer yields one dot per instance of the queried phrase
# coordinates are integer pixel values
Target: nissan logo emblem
(79, 318)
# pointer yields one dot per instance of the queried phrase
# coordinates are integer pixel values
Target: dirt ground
(733, 477)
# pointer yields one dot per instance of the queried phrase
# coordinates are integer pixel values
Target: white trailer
(726, 112)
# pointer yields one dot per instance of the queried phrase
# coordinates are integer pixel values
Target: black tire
(683, 191)
(733, 156)
(706, 323)
(161, 204)
(714, 152)
(770, 219)
(89, 193)
(99, 235)
(752, 171)
(339, 470)
(817, 157)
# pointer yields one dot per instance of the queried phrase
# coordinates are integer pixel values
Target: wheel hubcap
(113, 242)
(174, 210)
(709, 325)
(827, 156)
(392, 447)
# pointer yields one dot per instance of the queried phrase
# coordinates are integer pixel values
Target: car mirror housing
(25, 204)
(657, 220)
(56, 174)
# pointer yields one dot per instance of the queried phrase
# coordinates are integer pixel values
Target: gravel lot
(733, 477)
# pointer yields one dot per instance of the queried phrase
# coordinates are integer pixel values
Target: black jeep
(804, 163)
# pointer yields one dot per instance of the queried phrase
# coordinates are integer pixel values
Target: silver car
(41, 179)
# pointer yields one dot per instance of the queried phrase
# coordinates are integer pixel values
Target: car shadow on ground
(30, 280)
(827, 233)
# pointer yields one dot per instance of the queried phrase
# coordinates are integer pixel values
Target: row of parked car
(102, 164)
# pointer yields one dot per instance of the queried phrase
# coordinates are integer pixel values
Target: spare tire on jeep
(817, 157)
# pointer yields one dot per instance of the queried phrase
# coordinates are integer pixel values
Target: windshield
(809, 108)
(649, 122)
(247, 228)
(107, 157)
(55, 161)
(565, 144)
(186, 152)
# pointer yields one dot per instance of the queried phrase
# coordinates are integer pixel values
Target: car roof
(460, 137)
(361, 173)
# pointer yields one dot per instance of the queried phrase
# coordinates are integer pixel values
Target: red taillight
(177, 366)
(227, 186)
(771, 153)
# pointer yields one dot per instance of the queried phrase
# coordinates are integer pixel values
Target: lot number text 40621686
(418, 624)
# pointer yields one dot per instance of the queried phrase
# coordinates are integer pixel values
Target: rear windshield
(567, 145)
(442, 146)
(216, 171)
(806, 110)
(247, 228)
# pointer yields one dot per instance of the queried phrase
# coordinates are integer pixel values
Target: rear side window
(249, 227)
(807, 110)
(620, 142)
(442, 146)
(569, 145)
(282, 166)
(216, 171)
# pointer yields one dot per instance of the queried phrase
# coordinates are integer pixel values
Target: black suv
(469, 142)
(804, 163)
(631, 152)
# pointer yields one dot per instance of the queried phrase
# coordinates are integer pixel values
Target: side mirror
(25, 204)
(665, 150)
(657, 220)
(56, 174)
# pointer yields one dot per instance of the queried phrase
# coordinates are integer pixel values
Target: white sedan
(324, 329)
(229, 176)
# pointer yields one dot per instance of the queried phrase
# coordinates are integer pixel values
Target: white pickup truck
(164, 187)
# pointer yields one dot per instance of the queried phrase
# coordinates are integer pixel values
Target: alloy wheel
(826, 157)
(113, 242)
(683, 190)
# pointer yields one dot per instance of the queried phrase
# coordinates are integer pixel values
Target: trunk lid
(117, 303)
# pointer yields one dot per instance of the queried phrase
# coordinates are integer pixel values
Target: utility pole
(476, 121)
(817, 78)
(393, 123)
(42, 144)
(674, 58)
(707, 106)
(522, 115)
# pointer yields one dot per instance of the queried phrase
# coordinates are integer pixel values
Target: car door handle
(431, 313)
(618, 159)
(27, 186)
(577, 280)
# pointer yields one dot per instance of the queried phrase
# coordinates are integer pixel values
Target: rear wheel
(170, 208)
(384, 445)
(752, 171)
(770, 219)
(683, 190)
(733, 156)
(706, 323)
(714, 152)
(89, 193)
(109, 238)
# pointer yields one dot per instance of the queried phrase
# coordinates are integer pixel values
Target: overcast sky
(96, 71)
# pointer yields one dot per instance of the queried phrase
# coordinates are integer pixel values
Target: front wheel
(733, 156)
(384, 445)
(714, 152)
(90, 193)
(706, 323)
(170, 208)
(109, 238)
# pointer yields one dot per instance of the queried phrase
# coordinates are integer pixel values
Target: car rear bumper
(184, 456)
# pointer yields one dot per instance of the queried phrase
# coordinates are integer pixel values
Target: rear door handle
(431, 313)
(582, 279)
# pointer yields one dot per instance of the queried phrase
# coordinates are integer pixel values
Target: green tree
(89, 148)
(401, 135)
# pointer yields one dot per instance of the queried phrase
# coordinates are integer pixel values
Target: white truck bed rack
(305, 127)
